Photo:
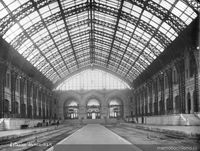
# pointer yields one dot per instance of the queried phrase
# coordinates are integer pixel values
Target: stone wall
(103, 96)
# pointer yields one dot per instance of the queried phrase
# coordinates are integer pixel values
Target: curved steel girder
(32, 30)
(28, 8)
(194, 4)
(21, 38)
(140, 62)
(151, 47)
(122, 71)
(123, 31)
(176, 23)
(138, 68)
(95, 66)
(80, 34)
(99, 32)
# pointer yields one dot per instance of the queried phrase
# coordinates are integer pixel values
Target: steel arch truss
(60, 38)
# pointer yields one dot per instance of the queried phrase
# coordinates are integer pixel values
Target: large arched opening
(71, 109)
(115, 106)
(93, 109)
(189, 102)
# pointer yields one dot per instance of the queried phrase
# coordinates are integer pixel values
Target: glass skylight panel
(12, 33)
(13, 5)
(166, 4)
(3, 11)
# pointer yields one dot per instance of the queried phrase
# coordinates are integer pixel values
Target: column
(37, 102)
(146, 101)
(22, 104)
(162, 102)
(13, 89)
(34, 101)
(170, 85)
(150, 98)
(156, 97)
(180, 67)
(29, 106)
(135, 101)
(197, 77)
(3, 69)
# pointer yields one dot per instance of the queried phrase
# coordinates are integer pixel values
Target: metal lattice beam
(115, 30)
(66, 26)
(55, 44)
(32, 41)
(150, 39)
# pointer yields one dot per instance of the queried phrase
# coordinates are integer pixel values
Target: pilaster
(13, 90)
(3, 69)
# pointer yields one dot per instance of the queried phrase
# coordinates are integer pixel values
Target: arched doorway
(189, 102)
(195, 100)
(93, 109)
(71, 110)
(115, 108)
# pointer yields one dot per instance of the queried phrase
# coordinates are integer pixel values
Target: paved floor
(94, 134)
(191, 130)
(95, 137)
(24, 131)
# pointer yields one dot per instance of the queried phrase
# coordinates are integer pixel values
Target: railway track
(39, 141)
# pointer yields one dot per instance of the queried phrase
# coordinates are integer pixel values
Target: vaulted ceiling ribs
(123, 36)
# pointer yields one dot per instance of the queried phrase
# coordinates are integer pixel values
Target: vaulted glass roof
(92, 79)
(60, 37)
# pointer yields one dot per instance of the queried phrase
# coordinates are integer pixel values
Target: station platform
(188, 131)
(9, 134)
(94, 137)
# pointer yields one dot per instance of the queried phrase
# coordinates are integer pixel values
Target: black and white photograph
(99, 75)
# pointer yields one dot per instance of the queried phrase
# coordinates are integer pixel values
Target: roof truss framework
(59, 37)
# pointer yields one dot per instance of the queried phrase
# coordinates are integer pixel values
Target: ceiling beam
(35, 6)
(155, 32)
(96, 66)
(66, 26)
(115, 30)
(30, 39)
(91, 33)
(138, 21)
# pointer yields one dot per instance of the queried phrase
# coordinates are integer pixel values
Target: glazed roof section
(61, 37)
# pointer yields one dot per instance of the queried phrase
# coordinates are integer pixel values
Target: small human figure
(57, 123)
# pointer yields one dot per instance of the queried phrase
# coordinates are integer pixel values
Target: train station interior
(99, 72)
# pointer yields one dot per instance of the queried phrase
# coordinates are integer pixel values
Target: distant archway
(195, 100)
(189, 102)
(115, 106)
(71, 109)
(93, 109)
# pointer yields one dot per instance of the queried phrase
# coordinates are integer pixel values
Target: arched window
(92, 79)
(192, 65)
(166, 81)
(93, 109)
(71, 110)
(8, 80)
(175, 76)
(115, 108)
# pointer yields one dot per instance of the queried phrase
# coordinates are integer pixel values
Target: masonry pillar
(162, 102)
(170, 84)
(34, 101)
(3, 69)
(180, 67)
(13, 90)
(29, 106)
(22, 104)
(156, 97)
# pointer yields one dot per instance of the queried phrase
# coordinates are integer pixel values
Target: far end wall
(103, 96)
